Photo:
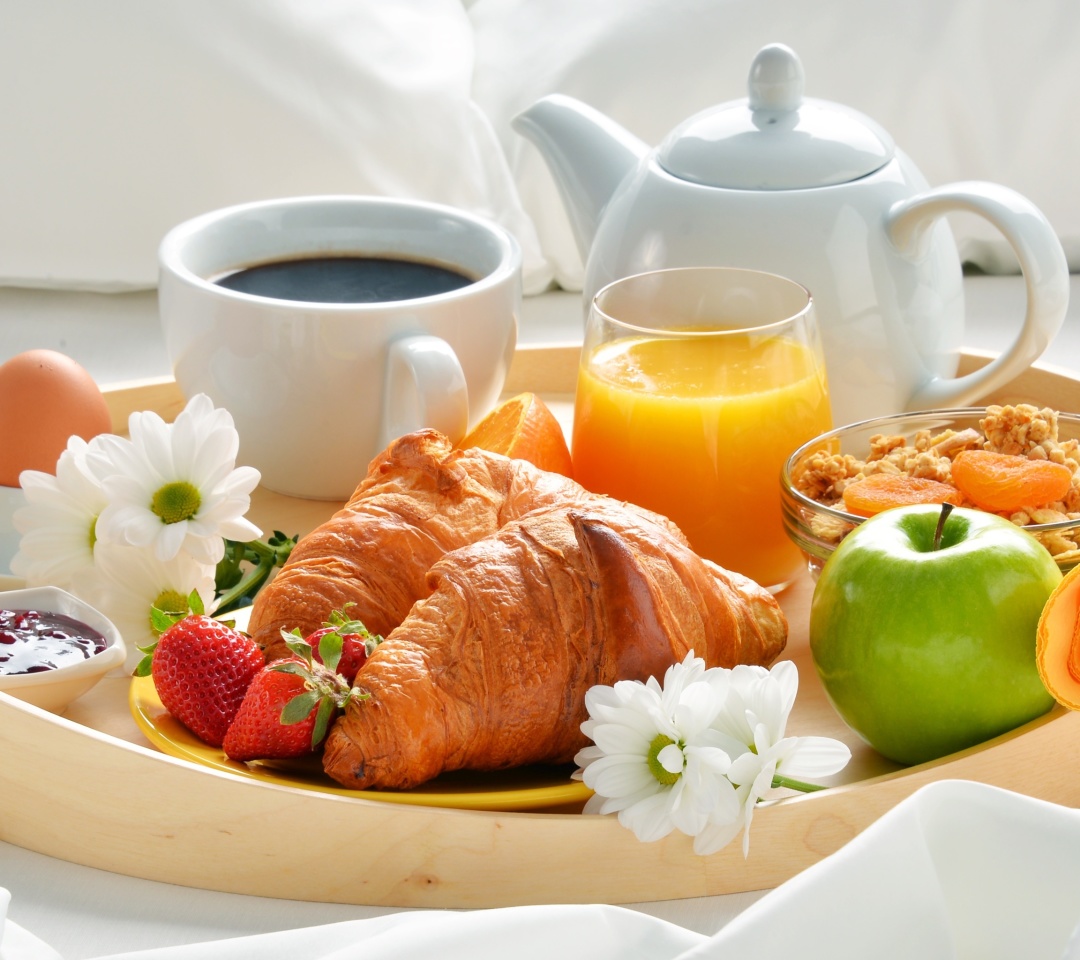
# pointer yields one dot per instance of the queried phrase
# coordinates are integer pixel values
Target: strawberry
(347, 640)
(201, 669)
(287, 709)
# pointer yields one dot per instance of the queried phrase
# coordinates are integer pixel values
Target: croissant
(490, 670)
(421, 498)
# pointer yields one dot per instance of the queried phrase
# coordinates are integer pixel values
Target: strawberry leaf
(299, 707)
(322, 721)
(299, 647)
(142, 668)
(355, 695)
(160, 621)
(290, 666)
(330, 646)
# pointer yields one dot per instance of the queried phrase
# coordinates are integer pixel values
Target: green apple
(922, 630)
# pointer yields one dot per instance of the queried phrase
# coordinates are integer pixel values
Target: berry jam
(32, 641)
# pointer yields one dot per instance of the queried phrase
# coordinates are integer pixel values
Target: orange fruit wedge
(1057, 642)
(524, 428)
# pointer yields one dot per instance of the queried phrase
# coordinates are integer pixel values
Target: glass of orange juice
(695, 386)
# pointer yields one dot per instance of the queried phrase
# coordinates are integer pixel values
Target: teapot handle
(1042, 262)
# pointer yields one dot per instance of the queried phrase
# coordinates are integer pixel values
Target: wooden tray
(87, 788)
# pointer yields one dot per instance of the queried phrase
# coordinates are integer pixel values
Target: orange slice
(523, 427)
(1057, 642)
(882, 491)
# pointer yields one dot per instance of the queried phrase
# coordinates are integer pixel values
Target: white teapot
(816, 192)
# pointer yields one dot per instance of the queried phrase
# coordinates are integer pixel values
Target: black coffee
(345, 279)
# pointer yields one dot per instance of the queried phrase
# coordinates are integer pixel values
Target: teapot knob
(776, 79)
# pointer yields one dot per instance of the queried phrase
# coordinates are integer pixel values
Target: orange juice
(697, 429)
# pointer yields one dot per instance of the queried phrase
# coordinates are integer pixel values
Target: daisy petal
(814, 757)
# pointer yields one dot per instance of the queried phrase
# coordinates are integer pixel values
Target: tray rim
(788, 836)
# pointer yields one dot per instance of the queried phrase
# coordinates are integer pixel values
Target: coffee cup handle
(424, 387)
(1042, 262)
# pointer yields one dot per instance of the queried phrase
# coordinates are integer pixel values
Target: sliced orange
(882, 491)
(1057, 643)
(523, 427)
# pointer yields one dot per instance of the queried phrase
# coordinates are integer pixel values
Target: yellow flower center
(656, 768)
(93, 533)
(176, 501)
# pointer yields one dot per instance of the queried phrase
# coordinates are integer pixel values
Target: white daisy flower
(175, 487)
(698, 753)
(655, 761)
(134, 580)
(756, 714)
(58, 521)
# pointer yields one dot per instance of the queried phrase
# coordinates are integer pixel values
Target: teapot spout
(588, 155)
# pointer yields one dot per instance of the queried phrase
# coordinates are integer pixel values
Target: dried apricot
(1006, 482)
(881, 491)
(1057, 642)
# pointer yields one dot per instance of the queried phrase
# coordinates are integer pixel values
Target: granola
(1021, 429)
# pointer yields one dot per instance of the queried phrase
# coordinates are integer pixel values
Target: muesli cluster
(1023, 430)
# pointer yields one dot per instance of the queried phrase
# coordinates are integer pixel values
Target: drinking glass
(695, 385)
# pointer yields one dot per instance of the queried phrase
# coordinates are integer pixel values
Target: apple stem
(946, 509)
(779, 780)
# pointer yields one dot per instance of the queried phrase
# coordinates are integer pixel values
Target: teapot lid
(775, 139)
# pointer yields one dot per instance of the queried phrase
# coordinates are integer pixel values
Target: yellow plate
(525, 789)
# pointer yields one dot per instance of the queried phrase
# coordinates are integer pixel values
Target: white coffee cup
(317, 389)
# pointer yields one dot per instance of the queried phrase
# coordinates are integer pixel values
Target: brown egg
(45, 398)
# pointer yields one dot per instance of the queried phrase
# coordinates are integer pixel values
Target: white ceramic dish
(53, 690)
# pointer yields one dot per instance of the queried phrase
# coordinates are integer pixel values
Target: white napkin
(15, 942)
(957, 870)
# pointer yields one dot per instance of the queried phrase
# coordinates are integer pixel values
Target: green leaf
(299, 647)
(160, 621)
(229, 572)
(142, 668)
(354, 695)
(196, 604)
(291, 666)
(322, 721)
(283, 546)
(299, 707)
(264, 557)
(330, 646)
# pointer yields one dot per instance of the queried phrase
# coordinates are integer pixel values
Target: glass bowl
(54, 690)
(817, 528)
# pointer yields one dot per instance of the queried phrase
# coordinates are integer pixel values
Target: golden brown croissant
(490, 670)
(420, 499)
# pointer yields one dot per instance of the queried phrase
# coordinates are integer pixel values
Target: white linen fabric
(15, 942)
(122, 118)
(959, 869)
